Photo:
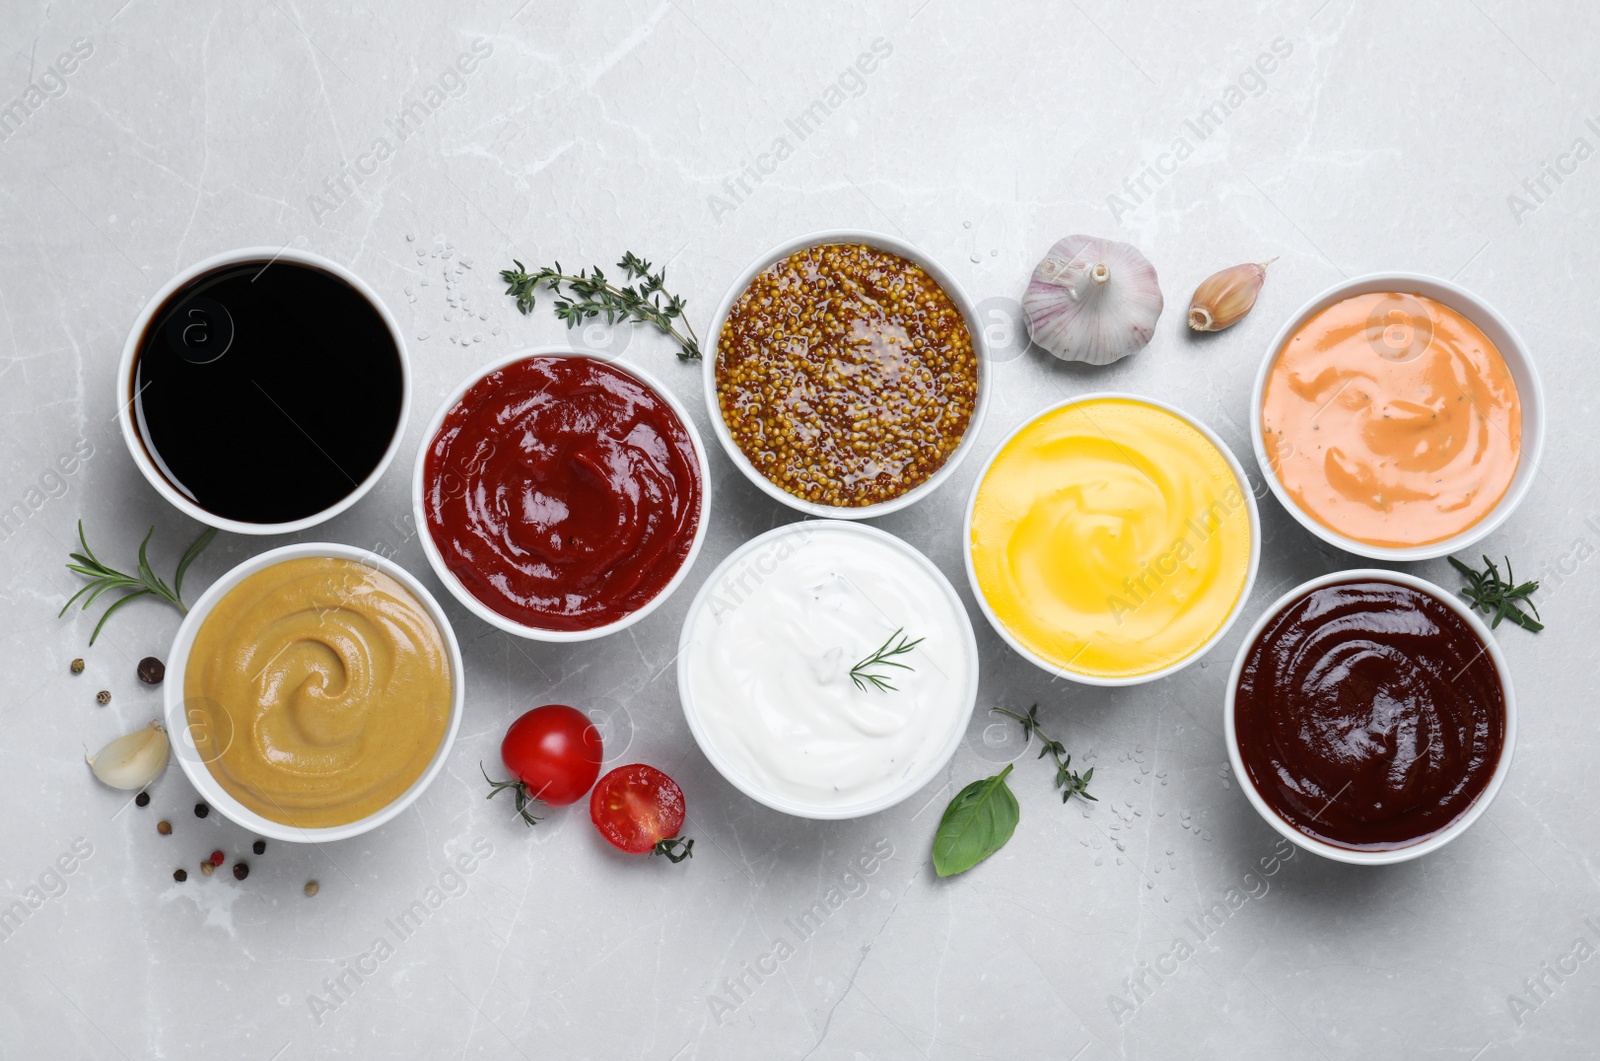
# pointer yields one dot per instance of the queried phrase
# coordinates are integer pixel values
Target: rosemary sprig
(1067, 780)
(1500, 596)
(862, 674)
(103, 579)
(525, 799)
(589, 295)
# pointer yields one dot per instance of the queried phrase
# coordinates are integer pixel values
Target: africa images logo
(451, 83)
(52, 84)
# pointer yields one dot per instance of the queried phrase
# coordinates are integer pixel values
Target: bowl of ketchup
(1370, 717)
(561, 496)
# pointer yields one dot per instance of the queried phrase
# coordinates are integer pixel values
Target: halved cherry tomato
(553, 753)
(639, 809)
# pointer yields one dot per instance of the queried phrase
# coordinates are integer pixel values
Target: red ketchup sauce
(1369, 715)
(563, 493)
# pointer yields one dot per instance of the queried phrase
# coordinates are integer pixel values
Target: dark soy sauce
(266, 393)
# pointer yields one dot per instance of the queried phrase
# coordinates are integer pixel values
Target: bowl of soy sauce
(264, 391)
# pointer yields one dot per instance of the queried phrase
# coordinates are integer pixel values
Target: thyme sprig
(104, 579)
(1067, 780)
(589, 294)
(525, 799)
(862, 674)
(1500, 596)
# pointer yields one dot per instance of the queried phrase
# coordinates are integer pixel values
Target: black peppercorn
(180, 875)
(259, 847)
(240, 871)
(142, 800)
(152, 670)
(201, 810)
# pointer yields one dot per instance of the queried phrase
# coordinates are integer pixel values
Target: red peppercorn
(217, 858)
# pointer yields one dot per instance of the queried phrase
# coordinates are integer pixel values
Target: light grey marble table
(1456, 138)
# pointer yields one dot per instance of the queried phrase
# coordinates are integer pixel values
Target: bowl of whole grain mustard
(846, 375)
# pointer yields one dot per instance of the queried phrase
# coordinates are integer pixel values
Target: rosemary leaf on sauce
(589, 294)
(1500, 597)
(884, 656)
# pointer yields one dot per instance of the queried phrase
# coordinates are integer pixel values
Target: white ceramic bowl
(780, 801)
(1519, 361)
(969, 312)
(1395, 854)
(130, 351)
(177, 721)
(482, 610)
(1091, 679)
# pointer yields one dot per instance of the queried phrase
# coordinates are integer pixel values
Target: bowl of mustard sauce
(314, 692)
(1111, 539)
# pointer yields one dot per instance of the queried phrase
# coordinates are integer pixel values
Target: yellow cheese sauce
(317, 691)
(1111, 538)
(1391, 419)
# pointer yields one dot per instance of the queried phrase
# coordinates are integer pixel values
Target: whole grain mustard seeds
(846, 375)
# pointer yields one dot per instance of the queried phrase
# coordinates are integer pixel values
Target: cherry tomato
(553, 753)
(639, 809)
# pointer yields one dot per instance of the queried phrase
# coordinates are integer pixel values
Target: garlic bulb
(133, 761)
(1092, 300)
(1223, 299)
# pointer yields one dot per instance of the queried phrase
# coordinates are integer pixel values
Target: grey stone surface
(1392, 136)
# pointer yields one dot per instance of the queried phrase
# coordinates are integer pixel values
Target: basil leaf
(977, 823)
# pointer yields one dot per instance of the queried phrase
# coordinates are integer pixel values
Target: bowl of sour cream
(827, 669)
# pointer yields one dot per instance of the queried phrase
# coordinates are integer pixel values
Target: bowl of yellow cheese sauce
(1111, 539)
(1398, 417)
(318, 691)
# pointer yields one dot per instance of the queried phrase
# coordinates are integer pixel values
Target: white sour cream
(767, 655)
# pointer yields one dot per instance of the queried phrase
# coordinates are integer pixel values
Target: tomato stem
(525, 799)
(670, 847)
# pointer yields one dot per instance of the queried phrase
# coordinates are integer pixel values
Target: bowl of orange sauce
(1398, 417)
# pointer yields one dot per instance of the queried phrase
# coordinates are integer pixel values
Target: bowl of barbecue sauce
(1370, 717)
(264, 390)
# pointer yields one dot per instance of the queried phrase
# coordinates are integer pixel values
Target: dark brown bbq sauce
(266, 393)
(1369, 715)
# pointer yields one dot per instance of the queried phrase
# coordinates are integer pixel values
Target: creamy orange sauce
(1391, 419)
(317, 691)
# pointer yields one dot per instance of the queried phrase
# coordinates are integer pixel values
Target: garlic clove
(1092, 300)
(1223, 298)
(132, 761)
